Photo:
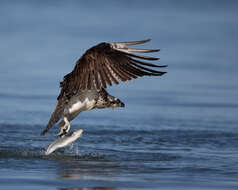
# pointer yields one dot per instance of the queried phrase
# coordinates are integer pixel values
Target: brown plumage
(105, 64)
(102, 65)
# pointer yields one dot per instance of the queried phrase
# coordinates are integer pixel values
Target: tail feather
(55, 117)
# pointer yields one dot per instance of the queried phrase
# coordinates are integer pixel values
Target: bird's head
(116, 103)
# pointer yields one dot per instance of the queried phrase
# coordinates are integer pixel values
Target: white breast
(78, 106)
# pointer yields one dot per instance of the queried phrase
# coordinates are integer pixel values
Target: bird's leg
(65, 129)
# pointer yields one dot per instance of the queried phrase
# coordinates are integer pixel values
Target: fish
(64, 141)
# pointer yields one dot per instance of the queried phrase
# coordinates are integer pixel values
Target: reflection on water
(90, 188)
(89, 170)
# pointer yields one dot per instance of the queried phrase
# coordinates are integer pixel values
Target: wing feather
(102, 78)
(141, 57)
(111, 75)
(104, 72)
(89, 85)
(147, 64)
(146, 69)
(139, 50)
(124, 44)
(105, 63)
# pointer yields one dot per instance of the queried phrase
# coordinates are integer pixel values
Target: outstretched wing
(105, 64)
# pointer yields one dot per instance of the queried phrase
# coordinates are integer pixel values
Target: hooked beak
(122, 104)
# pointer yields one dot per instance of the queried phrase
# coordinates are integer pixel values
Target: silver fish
(64, 141)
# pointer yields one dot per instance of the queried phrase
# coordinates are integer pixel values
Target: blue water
(179, 131)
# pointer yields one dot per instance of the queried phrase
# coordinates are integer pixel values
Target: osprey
(85, 87)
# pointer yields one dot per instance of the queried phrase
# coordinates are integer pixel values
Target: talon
(65, 129)
(62, 132)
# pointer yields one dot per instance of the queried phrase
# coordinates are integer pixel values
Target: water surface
(178, 131)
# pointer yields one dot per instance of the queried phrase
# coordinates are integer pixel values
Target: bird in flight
(85, 87)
